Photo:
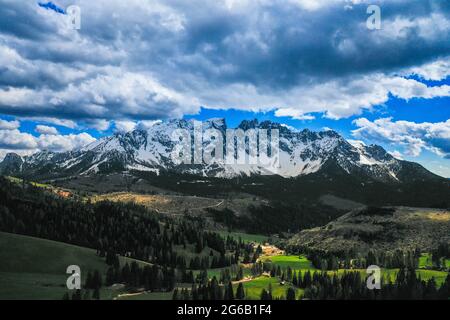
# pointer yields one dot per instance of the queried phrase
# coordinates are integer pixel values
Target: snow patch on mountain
(302, 152)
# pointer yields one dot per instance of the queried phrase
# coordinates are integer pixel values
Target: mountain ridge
(302, 152)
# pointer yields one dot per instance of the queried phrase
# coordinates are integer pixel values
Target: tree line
(125, 229)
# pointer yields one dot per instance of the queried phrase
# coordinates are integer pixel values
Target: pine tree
(88, 283)
(294, 279)
(264, 295)
(175, 294)
(240, 292)
(110, 276)
(87, 295)
(96, 294)
(230, 291)
(76, 295)
(96, 280)
(290, 294)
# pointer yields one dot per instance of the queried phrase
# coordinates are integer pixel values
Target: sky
(308, 64)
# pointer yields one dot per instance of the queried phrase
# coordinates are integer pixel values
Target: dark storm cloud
(281, 44)
(174, 56)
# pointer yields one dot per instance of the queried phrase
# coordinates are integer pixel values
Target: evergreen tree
(96, 294)
(264, 295)
(240, 295)
(230, 291)
(175, 294)
(76, 295)
(87, 295)
(290, 294)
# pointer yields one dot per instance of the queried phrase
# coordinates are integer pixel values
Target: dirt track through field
(182, 211)
(169, 205)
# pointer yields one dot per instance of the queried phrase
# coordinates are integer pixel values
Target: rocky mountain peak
(301, 153)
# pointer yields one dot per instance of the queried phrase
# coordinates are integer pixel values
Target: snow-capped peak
(302, 152)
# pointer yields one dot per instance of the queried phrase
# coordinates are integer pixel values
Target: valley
(209, 257)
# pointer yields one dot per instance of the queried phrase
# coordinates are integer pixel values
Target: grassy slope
(359, 230)
(295, 262)
(426, 262)
(253, 288)
(302, 264)
(33, 268)
(23, 254)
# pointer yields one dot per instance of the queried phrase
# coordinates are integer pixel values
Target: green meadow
(254, 287)
(33, 268)
(295, 262)
(425, 261)
(302, 264)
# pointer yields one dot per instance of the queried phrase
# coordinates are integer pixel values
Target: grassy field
(36, 184)
(295, 262)
(254, 287)
(426, 262)
(302, 264)
(168, 204)
(21, 254)
(391, 274)
(246, 237)
(33, 268)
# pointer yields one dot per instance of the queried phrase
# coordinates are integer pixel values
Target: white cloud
(312, 5)
(147, 124)
(9, 125)
(61, 143)
(125, 126)
(396, 154)
(336, 99)
(54, 121)
(97, 124)
(46, 130)
(294, 113)
(436, 70)
(24, 143)
(111, 92)
(413, 137)
(356, 143)
(14, 139)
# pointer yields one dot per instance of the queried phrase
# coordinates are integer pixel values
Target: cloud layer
(145, 60)
(14, 140)
(414, 137)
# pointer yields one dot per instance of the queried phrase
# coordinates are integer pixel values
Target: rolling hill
(35, 269)
(362, 230)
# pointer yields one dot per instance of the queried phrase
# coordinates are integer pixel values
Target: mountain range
(301, 153)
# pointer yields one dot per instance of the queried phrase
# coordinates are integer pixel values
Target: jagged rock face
(301, 153)
(11, 164)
